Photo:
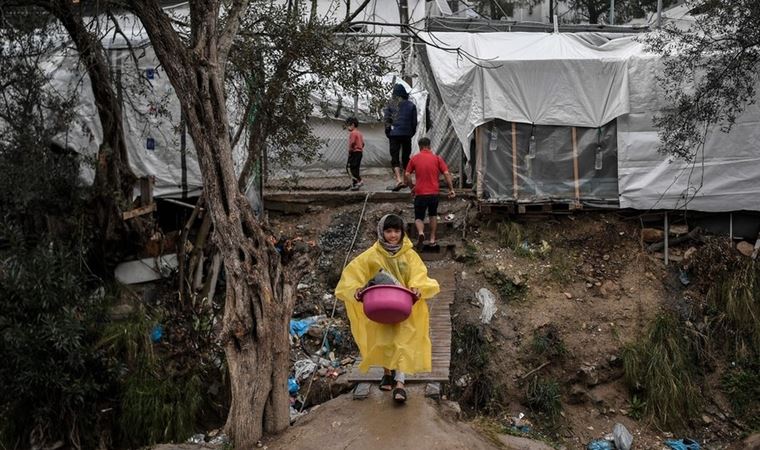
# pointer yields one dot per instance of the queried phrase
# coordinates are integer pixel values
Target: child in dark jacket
(400, 126)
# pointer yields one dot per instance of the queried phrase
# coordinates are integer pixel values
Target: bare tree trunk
(260, 290)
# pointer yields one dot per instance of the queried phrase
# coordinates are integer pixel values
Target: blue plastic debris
(150, 144)
(300, 327)
(293, 386)
(600, 444)
(156, 333)
(682, 444)
(150, 73)
(684, 278)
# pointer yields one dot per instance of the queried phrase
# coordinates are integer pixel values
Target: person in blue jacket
(400, 126)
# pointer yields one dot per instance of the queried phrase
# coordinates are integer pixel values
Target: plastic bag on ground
(623, 438)
(488, 301)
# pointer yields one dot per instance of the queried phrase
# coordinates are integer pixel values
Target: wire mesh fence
(328, 170)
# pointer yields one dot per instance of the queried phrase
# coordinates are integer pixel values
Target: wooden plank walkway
(440, 335)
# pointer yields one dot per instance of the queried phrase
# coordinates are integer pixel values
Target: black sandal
(399, 395)
(387, 381)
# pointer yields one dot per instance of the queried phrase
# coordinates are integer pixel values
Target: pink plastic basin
(387, 303)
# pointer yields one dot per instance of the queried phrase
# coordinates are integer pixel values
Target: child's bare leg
(433, 228)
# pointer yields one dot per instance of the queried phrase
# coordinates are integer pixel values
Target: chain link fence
(328, 171)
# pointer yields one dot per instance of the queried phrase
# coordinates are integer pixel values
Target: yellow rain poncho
(403, 346)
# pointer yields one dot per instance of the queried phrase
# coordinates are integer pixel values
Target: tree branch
(230, 28)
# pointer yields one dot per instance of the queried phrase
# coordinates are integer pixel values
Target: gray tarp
(572, 80)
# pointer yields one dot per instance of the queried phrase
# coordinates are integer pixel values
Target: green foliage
(284, 59)
(709, 74)
(156, 409)
(735, 300)
(52, 375)
(741, 384)
(548, 343)
(637, 407)
(661, 371)
(562, 266)
(507, 289)
(543, 396)
(474, 387)
(510, 234)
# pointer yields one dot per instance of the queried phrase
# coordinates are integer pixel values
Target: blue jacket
(400, 114)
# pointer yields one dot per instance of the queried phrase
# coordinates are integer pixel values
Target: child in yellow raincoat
(401, 348)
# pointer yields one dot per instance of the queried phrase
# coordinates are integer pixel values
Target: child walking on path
(401, 348)
(355, 151)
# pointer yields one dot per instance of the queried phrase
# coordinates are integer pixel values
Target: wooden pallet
(440, 336)
(549, 207)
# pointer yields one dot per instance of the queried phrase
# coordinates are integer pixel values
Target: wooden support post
(515, 193)
(479, 162)
(731, 226)
(667, 232)
(146, 191)
(575, 169)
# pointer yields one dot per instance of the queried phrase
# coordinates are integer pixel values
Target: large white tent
(589, 80)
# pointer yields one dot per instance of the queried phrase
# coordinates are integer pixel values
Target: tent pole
(612, 12)
(659, 13)
(575, 169)
(479, 162)
(667, 232)
(514, 161)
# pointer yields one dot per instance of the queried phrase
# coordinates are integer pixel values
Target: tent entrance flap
(527, 163)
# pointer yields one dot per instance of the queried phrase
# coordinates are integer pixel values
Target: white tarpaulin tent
(589, 80)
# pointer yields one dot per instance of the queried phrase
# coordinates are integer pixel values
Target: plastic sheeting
(722, 177)
(537, 78)
(546, 168)
(586, 80)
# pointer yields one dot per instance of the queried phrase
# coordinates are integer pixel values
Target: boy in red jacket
(355, 149)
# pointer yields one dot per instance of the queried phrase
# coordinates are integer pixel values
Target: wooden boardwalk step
(440, 336)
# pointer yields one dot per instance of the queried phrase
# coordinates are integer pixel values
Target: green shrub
(742, 387)
(544, 396)
(51, 375)
(660, 370)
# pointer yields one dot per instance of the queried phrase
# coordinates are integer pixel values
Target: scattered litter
(521, 424)
(293, 386)
(295, 415)
(222, 440)
(464, 380)
(302, 286)
(682, 444)
(299, 327)
(303, 368)
(623, 438)
(488, 301)
(199, 438)
(600, 444)
(684, 278)
(449, 217)
(156, 333)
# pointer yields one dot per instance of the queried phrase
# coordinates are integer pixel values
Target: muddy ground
(571, 292)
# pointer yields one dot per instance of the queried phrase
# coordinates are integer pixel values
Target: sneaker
(355, 187)
(420, 240)
(398, 187)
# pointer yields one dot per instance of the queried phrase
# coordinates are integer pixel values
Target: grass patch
(510, 234)
(661, 371)
(474, 387)
(735, 299)
(562, 266)
(548, 343)
(742, 387)
(543, 395)
(507, 289)
(469, 254)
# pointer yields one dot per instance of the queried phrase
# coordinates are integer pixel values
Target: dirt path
(378, 423)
